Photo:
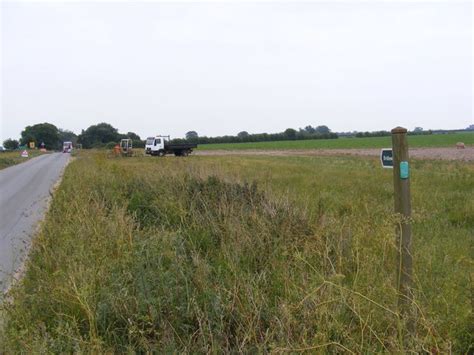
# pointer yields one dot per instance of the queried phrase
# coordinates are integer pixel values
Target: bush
(110, 145)
(11, 144)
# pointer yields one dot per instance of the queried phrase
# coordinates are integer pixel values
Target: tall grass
(242, 255)
(14, 157)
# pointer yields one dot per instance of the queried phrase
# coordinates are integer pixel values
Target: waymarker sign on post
(386, 158)
(396, 158)
(401, 184)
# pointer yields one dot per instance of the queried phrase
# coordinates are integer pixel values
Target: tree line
(309, 132)
(41, 134)
(104, 135)
(51, 137)
(417, 132)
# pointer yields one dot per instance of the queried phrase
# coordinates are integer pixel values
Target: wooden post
(401, 183)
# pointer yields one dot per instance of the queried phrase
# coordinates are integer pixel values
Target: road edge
(20, 272)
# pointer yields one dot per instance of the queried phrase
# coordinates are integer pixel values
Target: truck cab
(156, 145)
(67, 147)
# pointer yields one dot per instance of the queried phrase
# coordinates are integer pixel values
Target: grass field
(435, 140)
(14, 157)
(244, 254)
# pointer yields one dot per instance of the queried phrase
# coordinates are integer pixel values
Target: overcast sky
(220, 68)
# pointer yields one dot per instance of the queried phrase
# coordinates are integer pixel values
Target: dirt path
(466, 154)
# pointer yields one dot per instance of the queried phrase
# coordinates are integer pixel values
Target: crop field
(14, 157)
(245, 254)
(422, 141)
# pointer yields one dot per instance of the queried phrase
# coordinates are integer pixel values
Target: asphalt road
(24, 192)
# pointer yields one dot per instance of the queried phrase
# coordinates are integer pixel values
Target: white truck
(160, 146)
(67, 147)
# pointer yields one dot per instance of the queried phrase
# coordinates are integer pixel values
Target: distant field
(435, 140)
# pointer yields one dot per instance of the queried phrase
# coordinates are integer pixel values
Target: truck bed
(180, 146)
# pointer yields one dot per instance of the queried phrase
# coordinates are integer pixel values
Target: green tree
(192, 136)
(11, 144)
(137, 142)
(290, 133)
(67, 136)
(46, 133)
(98, 135)
(310, 129)
(133, 136)
(243, 134)
(322, 130)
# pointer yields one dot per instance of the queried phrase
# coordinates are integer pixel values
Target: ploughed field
(417, 141)
(439, 153)
(250, 254)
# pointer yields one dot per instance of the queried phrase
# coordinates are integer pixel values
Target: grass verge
(243, 254)
(12, 158)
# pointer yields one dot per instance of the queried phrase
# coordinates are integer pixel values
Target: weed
(214, 255)
(14, 157)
